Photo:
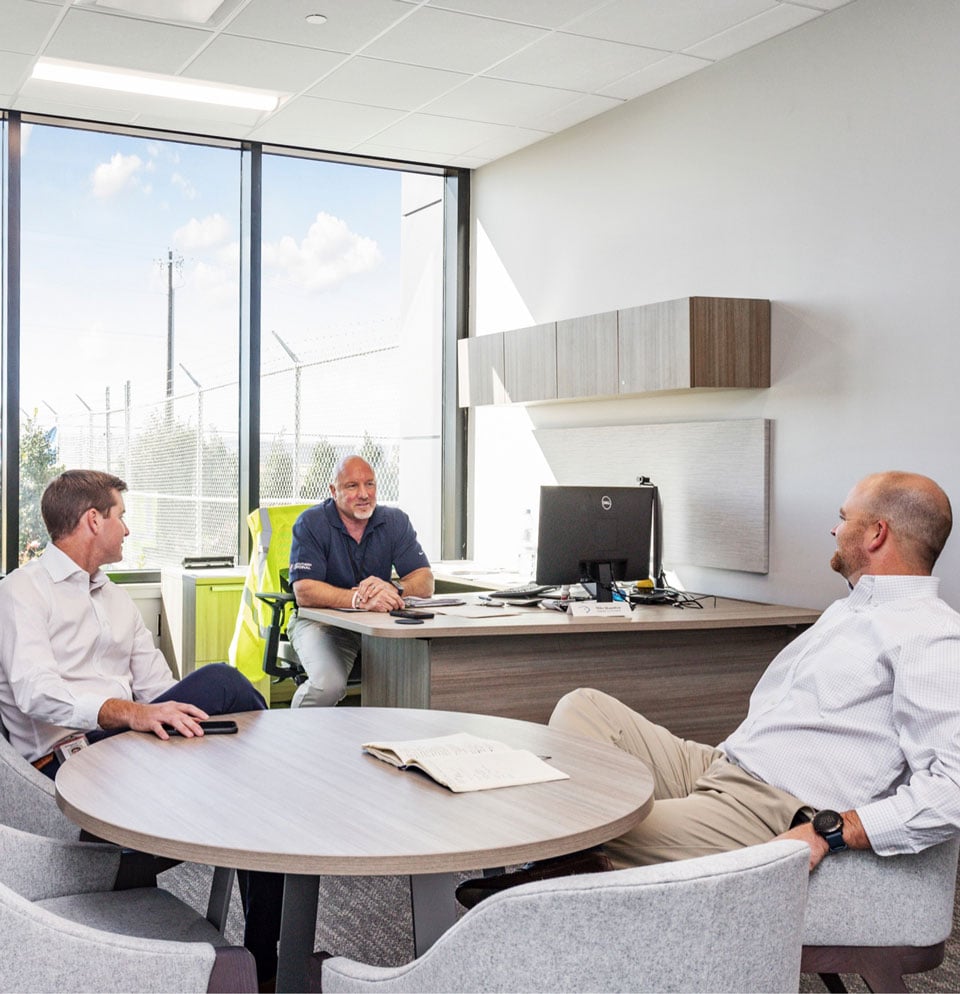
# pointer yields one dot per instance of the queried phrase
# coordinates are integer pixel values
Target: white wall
(819, 169)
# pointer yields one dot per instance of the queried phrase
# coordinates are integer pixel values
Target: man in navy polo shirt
(343, 554)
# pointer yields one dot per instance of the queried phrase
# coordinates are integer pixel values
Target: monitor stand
(604, 583)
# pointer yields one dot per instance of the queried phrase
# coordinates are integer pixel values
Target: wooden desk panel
(691, 670)
(695, 683)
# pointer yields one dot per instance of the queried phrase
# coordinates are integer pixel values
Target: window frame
(454, 307)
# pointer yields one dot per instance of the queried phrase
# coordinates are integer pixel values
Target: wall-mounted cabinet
(530, 364)
(690, 343)
(587, 356)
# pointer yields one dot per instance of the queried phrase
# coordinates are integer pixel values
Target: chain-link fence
(182, 467)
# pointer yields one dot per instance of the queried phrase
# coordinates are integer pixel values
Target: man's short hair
(917, 510)
(70, 495)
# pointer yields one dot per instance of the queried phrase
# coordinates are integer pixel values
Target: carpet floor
(369, 919)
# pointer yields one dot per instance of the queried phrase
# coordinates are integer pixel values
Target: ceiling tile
(266, 64)
(574, 63)
(399, 152)
(667, 70)
(201, 118)
(327, 124)
(26, 24)
(823, 5)
(507, 142)
(41, 103)
(350, 23)
(428, 134)
(458, 42)
(467, 161)
(386, 84)
(14, 68)
(500, 101)
(576, 112)
(753, 31)
(114, 40)
(538, 13)
(672, 26)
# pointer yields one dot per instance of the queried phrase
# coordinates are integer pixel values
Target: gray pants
(703, 803)
(327, 654)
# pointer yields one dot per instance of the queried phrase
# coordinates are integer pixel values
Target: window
(129, 331)
(351, 332)
(129, 344)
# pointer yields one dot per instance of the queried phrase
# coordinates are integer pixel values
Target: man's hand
(116, 713)
(854, 835)
(818, 844)
(374, 594)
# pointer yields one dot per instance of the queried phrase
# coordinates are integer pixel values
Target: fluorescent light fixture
(185, 11)
(154, 85)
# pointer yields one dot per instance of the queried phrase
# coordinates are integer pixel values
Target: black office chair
(279, 657)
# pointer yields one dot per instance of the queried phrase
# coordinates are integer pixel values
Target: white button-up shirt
(862, 711)
(68, 642)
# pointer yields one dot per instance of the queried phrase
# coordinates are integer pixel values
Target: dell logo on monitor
(606, 503)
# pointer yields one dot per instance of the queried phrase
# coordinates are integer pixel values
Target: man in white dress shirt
(77, 659)
(850, 739)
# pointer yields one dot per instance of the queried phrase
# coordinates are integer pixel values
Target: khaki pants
(703, 803)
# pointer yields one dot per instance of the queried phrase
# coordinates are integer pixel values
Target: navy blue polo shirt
(322, 549)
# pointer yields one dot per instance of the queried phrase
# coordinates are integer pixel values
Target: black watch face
(826, 821)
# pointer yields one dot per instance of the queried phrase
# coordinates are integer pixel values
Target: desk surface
(724, 613)
(293, 792)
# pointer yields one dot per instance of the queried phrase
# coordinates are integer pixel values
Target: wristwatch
(829, 825)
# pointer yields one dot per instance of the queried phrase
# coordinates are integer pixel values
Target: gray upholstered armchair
(27, 797)
(63, 928)
(730, 922)
(28, 802)
(880, 916)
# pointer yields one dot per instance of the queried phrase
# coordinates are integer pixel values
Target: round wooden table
(293, 793)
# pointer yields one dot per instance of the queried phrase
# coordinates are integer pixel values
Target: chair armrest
(37, 867)
(277, 602)
(63, 955)
(858, 898)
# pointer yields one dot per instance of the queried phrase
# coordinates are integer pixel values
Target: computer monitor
(599, 535)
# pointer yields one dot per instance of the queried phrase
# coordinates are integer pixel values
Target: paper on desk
(479, 611)
(432, 601)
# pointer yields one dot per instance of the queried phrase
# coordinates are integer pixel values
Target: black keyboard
(527, 590)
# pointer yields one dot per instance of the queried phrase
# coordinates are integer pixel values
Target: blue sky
(99, 214)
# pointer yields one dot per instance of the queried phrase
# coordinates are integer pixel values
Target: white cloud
(330, 254)
(189, 190)
(202, 233)
(111, 177)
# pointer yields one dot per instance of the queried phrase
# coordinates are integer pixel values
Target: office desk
(691, 670)
(293, 793)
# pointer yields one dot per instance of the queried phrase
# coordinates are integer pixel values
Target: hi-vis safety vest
(271, 534)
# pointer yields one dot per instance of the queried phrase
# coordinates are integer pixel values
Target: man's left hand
(374, 594)
(854, 835)
(818, 844)
(117, 713)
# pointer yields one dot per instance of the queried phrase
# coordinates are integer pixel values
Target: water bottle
(527, 560)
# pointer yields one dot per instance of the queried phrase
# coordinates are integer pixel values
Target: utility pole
(170, 262)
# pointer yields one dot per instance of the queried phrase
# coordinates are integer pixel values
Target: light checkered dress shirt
(862, 711)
